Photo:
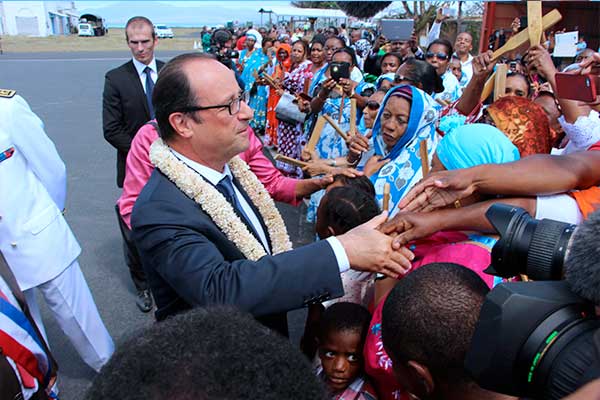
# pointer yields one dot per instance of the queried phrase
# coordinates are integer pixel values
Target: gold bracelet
(457, 204)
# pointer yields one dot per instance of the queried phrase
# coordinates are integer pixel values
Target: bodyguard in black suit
(127, 106)
(126, 102)
(189, 260)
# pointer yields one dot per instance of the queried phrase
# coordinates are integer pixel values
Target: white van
(85, 29)
(163, 31)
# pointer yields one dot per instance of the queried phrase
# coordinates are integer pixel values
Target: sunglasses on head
(439, 56)
(372, 105)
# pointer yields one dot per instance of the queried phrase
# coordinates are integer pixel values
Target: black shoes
(144, 301)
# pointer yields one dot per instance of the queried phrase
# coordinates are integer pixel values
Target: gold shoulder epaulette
(7, 93)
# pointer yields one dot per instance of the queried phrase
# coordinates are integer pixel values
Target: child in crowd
(361, 183)
(348, 202)
(342, 333)
(341, 209)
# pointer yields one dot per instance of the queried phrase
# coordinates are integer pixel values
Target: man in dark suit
(126, 106)
(199, 185)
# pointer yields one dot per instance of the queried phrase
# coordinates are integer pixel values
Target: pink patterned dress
(471, 250)
(290, 135)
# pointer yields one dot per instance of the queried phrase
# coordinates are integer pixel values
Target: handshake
(370, 250)
(379, 245)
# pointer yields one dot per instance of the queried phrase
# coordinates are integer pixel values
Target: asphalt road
(65, 91)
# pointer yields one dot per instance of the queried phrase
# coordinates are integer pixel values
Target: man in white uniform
(35, 239)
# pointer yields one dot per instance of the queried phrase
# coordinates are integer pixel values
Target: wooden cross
(500, 81)
(548, 21)
(534, 22)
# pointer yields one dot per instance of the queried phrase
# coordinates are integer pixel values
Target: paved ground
(65, 90)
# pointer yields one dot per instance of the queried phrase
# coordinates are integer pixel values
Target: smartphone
(339, 70)
(576, 87)
(397, 29)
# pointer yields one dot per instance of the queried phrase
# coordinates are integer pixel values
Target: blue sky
(184, 13)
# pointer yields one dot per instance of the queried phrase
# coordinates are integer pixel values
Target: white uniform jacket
(34, 236)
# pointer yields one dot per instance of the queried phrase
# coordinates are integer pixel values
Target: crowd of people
(398, 156)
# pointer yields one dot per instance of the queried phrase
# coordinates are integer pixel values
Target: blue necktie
(225, 186)
(149, 88)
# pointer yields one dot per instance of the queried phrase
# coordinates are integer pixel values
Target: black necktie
(149, 88)
(225, 186)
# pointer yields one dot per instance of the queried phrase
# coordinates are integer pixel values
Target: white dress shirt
(214, 177)
(140, 67)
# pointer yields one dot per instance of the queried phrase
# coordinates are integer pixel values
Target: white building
(37, 18)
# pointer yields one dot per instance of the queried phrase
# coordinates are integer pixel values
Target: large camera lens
(536, 340)
(536, 248)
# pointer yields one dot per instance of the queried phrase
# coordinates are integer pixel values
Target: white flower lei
(219, 209)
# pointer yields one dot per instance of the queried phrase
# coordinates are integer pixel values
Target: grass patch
(115, 40)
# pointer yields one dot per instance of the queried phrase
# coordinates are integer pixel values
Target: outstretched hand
(438, 190)
(411, 226)
(370, 250)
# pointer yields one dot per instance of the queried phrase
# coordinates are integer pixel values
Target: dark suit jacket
(124, 110)
(190, 262)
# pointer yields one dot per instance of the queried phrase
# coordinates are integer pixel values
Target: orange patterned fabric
(525, 124)
(588, 200)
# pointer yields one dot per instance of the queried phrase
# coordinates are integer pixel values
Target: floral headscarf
(524, 122)
(363, 47)
(404, 169)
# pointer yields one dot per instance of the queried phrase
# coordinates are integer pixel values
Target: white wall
(30, 17)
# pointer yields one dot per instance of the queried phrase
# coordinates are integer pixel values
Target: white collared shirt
(140, 67)
(215, 177)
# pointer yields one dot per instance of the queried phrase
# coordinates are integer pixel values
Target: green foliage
(363, 9)
(315, 4)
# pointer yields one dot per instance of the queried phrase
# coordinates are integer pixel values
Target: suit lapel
(256, 212)
(137, 84)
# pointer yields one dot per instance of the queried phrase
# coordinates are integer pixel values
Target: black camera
(218, 47)
(538, 339)
(535, 339)
(536, 248)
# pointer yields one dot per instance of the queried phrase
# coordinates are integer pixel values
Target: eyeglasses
(234, 105)
(372, 105)
(439, 56)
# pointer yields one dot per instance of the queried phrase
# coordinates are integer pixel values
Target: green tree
(315, 4)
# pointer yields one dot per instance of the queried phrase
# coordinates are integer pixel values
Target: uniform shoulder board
(7, 93)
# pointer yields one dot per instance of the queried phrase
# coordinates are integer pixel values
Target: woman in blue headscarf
(471, 145)
(385, 81)
(406, 118)
(251, 61)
